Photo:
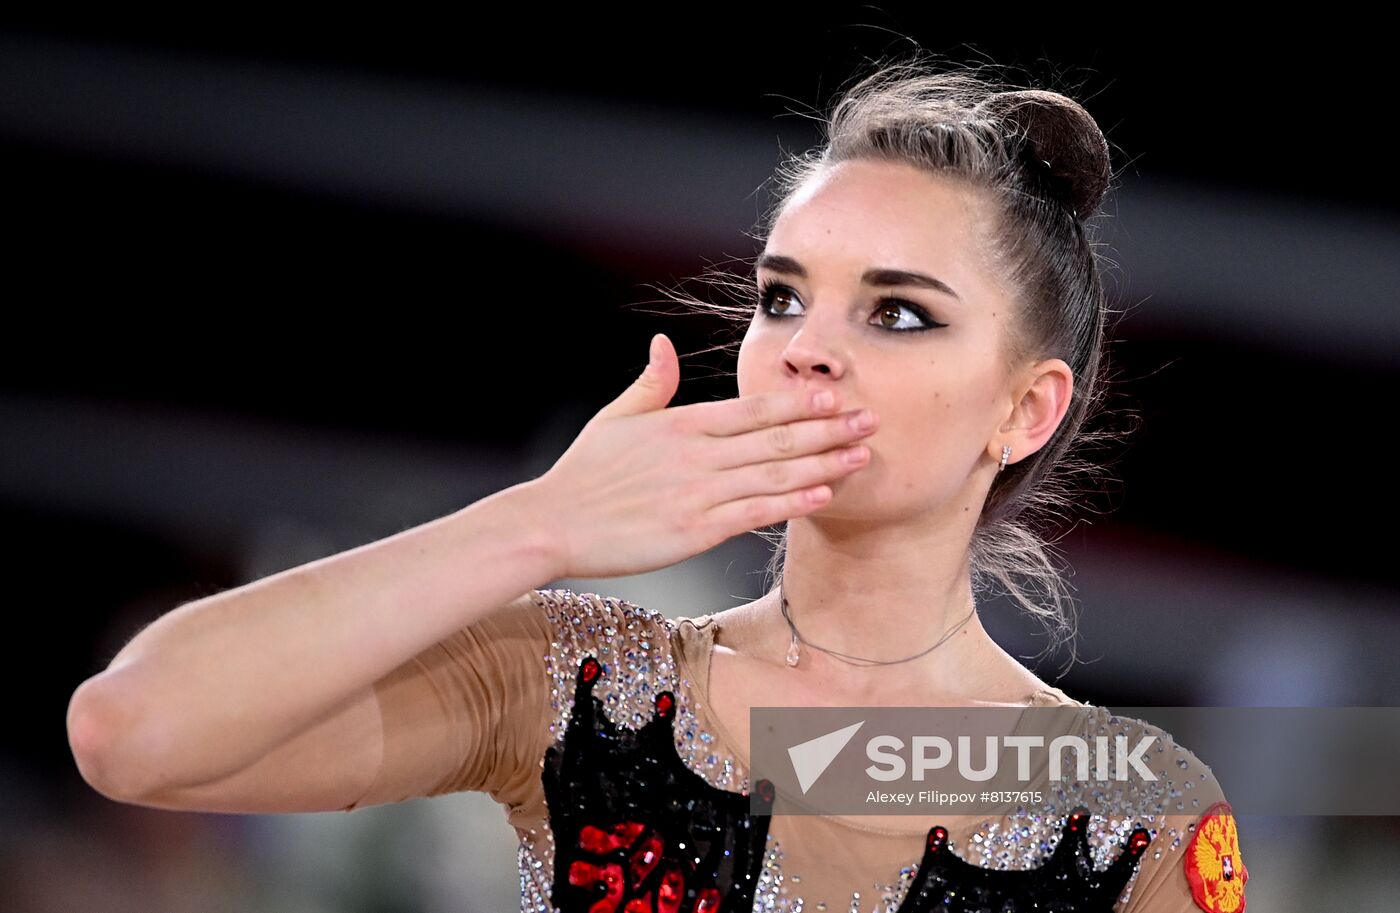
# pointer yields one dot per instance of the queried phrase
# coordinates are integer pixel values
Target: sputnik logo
(811, 758)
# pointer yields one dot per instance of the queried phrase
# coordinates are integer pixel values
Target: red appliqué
(1214, 867)
(611, 881)
(640, 832)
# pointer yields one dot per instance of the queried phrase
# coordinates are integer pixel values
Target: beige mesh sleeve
(471, 712)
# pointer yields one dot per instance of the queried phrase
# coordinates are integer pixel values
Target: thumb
(654, 388)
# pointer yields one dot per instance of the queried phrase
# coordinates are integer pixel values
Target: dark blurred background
(282, 286)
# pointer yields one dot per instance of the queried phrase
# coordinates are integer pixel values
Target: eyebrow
(877, 277)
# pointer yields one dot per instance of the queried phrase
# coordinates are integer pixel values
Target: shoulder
(1126, 770)
(1174, 765)
(643, 653)
(1050, 696)
(621, 635)
(632, 643)
(1194, 859)
(1150, 774)
(1185, 784)
(588, 618)
(1162, 785)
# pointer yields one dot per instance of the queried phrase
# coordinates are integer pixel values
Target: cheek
(752, 351)
(944, 423)
(741, 372)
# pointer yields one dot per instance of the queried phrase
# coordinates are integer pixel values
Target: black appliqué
(1065, 883)
(637, 831)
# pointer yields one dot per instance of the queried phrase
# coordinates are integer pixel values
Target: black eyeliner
(768, 287)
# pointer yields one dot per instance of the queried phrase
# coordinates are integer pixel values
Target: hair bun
(1059, 131)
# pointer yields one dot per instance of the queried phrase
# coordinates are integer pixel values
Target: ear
(1045, 393)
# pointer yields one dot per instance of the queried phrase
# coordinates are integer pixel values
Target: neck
(885, 593)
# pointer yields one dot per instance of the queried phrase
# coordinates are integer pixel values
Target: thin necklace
(794, 654)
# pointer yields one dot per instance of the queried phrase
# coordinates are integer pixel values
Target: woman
(923, 348)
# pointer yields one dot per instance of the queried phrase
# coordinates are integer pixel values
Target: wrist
(527, 518)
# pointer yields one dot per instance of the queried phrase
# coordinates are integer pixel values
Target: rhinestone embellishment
(635, 693)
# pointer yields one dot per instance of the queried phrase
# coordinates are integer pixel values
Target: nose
(806, 355)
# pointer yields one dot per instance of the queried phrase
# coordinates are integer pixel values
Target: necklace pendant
(793, 655)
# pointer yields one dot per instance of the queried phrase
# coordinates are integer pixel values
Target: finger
(777, 477)
(653, 389)
(749, 413)
(793, 439)
(735, 517)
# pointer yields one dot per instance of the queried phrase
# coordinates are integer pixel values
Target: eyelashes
(770, 289)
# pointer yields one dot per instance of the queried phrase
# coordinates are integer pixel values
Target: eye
(771, 292)
(777, 300)
(889, 309)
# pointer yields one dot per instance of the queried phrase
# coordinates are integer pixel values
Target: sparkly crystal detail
(1023, 839)
(635, 647)
(1064, 879)
(643, 832)
(794, 654)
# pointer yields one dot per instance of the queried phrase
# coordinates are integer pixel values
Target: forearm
(213, 685)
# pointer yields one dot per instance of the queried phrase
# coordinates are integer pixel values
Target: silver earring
(1005, 455)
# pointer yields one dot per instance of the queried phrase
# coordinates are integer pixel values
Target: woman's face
(928, 363)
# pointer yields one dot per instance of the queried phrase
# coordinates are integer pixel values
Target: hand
(644, 487)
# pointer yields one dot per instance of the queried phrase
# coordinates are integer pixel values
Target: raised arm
(262, 698)
(276, 696)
